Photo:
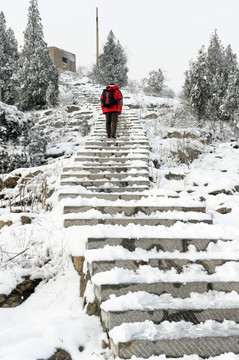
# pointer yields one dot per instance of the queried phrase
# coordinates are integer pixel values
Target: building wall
(62, 59)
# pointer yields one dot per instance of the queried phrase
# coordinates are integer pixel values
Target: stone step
(147, 339)
(105, 196)
(110, 183)
(110, 153)
(108, 176)
(117, 190)
(110, 319)
(102, 169)
(121, 133)
(116, 148)
(73, 220)
(122, 160)
(177, 289)
(121, 130)
(121, 125)
(142, 306)
(95, 266)
(122, 138)
(132, 210)
(106, 142)
(163, 243)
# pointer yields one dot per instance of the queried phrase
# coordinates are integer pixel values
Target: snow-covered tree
(112, 63)
(196, 87)
(3, 57)
(36, 70)
(8, 60)
(9, 91)
(154, 84)
(211, 83)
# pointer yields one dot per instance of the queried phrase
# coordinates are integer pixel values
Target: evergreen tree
(230, 101)
(212, 82)
(10, 93)
(36, 70)
(3, 55)
(3, 58)
(200, 89)
(8, 60)
(112, 62)
(154, 84)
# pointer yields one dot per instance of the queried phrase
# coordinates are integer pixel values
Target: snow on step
(105, 175)
(145, 206)
(108, 184)
(192, 278)
(167, 244)
(112, 159)
(116, 142)
(174, 339)
(167, 218)
(142, 306)
(107, 169)
(100, 195)
(159, 261)
(110, 152)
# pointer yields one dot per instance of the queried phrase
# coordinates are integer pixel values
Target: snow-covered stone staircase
(159, 286)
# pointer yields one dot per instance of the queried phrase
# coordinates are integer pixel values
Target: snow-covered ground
(53, 316)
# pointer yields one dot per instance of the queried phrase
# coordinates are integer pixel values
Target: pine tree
(230, 101)
(8, 60)
(155, 82)
(112, 62)
(200, 86)
(212, 82)
(3, 55)
(36, 70)
(10, 93)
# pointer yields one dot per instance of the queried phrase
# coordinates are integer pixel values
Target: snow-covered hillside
(199, 162)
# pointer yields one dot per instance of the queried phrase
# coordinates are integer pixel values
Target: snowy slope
(52, 317)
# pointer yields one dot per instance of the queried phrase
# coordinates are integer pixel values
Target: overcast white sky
(164, 34)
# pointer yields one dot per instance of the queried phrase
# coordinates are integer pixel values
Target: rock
(11, 182)
(151, 116)
(58, 124)
(48, 113)
(171, 176)
(2, 185)
(222, 191)
(60, 354)
(224, 210)
(92, 309)
(25, 220)
(104, 344)
(8, 223)
(20, 293)
(2, 299)
(72, 108)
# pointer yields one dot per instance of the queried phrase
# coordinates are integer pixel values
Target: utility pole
(97, 37)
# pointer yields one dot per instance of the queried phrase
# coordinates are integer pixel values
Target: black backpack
(108, 98)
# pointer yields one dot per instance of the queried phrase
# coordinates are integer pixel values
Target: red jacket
(118, 97)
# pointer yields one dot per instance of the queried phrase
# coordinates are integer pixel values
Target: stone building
(62, 59)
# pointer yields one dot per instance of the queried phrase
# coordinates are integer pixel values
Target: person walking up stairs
(111, 104)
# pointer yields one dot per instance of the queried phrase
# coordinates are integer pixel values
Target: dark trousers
(111, 123)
